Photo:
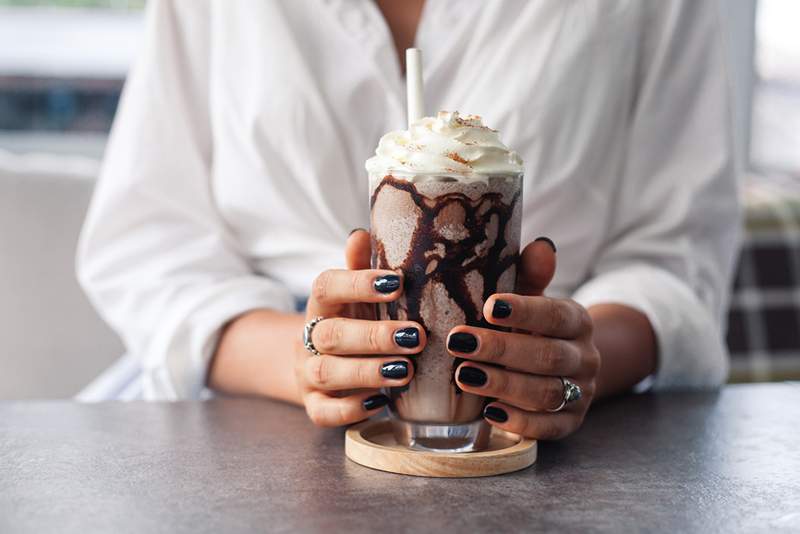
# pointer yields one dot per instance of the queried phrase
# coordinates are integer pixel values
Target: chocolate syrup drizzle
(459, 257)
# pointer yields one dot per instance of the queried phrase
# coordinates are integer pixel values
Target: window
(53, 75)
(775, 145)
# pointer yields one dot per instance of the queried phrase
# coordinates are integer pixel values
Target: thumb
(537, 266)
(357, 251)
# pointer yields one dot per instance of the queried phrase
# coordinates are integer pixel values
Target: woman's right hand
(359, 354)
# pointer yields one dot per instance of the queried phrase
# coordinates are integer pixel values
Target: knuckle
(358, 282)
(501, 383)
(555, 315)
(553, 394)
(509, 385)
(364, 374)
(327, 336)
(374, 335)
(496, 348)
(592, 360)
(321, 285)
(344, 414)
(520, 388)
(318, 370)
(551, 354)
(574, 359)
(584, 319)
(528, 427)
(327, 415)
(316, 414)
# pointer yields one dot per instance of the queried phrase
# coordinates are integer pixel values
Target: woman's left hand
(522, 369)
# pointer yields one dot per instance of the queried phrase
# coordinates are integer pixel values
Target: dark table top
(710, 462)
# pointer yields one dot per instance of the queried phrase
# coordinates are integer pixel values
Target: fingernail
(501, 309)
(397, 369)
(462, 342)
(387, 283)
(376, 401)
(493, 413)
(407, 337)
(472, 376)
(354, 230)
(548, 241)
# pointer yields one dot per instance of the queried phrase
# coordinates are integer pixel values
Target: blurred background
(63, 64)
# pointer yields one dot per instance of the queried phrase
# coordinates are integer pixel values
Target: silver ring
(572, 392)
(307, 330)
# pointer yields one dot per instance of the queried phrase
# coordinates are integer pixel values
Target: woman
(234, 176)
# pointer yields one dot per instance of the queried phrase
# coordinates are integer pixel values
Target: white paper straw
(416, 105)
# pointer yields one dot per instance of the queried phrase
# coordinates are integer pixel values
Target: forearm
(627, 345)
(255, 356)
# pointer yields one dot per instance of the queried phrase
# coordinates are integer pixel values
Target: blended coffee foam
(446, 210)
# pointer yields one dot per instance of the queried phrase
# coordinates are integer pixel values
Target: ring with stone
(307, 330)
(572, 392)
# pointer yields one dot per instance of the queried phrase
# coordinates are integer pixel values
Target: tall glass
(456, 239)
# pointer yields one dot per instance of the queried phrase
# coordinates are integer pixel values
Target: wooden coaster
(372, 444)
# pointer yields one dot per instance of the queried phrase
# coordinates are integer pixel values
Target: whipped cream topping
(447, 144)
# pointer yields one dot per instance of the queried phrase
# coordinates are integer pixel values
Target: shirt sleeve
(674, 233)
(154, 256)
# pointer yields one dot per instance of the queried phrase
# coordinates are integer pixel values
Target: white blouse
(235, 169)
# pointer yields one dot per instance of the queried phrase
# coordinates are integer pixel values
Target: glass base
(442, 437)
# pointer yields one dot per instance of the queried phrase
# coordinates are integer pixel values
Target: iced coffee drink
(446, 200)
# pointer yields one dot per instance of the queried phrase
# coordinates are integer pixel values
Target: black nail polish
(407, 337)
(462, 342)
(472, 376)
(501, 309)
(376, 401)
(397, 369)
(354, 230)
(387, 283)
(493, 413)
(548, 241)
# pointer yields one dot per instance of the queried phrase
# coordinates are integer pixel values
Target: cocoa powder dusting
(456, 157)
